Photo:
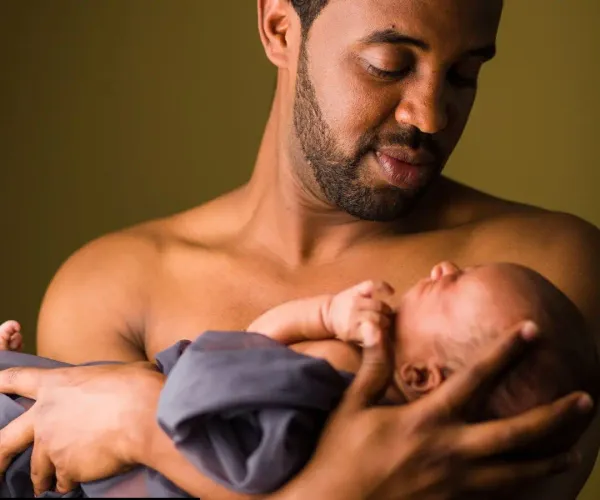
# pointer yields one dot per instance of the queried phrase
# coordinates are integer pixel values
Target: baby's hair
(564, 360)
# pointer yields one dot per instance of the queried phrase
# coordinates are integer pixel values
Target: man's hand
(425, 450)
(87, 422)
(359, 311)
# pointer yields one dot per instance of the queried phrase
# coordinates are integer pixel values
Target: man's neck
(290, 219)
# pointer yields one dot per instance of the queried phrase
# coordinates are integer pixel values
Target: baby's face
(451, 300)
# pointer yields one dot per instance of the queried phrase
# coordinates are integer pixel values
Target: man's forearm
(166, 459)
(162, 456)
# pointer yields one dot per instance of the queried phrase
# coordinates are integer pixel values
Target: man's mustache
(414, 140)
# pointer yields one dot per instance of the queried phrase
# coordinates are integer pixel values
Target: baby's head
(446, 319)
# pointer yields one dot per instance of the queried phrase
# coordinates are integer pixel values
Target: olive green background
(116, 111)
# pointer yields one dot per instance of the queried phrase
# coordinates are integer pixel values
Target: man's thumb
(375, 371)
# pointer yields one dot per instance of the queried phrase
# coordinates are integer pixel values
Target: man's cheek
(353, 106)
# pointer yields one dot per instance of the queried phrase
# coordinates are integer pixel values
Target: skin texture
(130, 294)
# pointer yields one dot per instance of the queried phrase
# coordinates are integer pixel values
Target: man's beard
(338, 175)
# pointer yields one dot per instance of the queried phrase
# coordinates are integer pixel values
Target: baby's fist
(354, 312)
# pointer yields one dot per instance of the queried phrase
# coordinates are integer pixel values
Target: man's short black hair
(307, 11)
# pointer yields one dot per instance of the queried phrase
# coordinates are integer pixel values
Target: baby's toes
(10, 336)
(15, 342)
(10, 327)
(4, 341)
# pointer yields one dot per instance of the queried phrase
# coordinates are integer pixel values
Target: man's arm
(573, 265)
(566, 250)
(93, 308)
(402, 452)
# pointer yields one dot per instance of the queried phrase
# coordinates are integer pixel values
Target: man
(372, 97)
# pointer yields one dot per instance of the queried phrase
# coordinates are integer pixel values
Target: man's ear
(276, 21)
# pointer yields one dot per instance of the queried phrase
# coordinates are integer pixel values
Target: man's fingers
(21, 381)
(480, 377)
(15, 438)
(493, 478)
(374, 373)
(64, 484)
(42, 470)
(534, 426)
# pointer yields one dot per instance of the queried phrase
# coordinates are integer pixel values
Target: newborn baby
(442, 322)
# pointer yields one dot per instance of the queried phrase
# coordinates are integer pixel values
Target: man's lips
(405, 156)
(404, 170)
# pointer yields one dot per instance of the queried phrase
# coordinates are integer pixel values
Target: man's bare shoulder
(141, 246)
(521, 231)
(563, 247)
(93, 307)
(494, 220)
(96, 305)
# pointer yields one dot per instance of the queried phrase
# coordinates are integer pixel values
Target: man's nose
(423, 106)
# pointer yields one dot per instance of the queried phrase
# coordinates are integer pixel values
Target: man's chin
(377, 210)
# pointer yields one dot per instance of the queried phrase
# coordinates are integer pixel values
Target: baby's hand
(354, 311)
(10, 336)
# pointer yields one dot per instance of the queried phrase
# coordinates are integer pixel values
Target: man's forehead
(434, 21)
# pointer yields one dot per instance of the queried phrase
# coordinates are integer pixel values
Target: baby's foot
(10, 336)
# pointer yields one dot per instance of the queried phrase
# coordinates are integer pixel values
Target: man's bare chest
(193, 296)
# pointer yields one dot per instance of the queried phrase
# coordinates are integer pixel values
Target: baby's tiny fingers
(363, 304)
(369, 287)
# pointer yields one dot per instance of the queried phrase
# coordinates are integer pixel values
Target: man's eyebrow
(394, 37)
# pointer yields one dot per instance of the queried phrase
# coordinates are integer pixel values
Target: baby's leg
(10, 336)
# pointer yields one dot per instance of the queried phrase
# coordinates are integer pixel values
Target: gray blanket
(244, 409)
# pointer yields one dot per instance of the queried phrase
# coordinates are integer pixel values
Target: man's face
(383, 92)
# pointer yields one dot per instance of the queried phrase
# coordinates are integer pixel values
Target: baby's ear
(417, 379)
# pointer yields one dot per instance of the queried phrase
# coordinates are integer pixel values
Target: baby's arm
(323, 317)
(295, 321)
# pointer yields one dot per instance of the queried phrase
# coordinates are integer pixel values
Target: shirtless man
(372, 97)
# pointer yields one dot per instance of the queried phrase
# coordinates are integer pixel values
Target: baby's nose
(442, 269)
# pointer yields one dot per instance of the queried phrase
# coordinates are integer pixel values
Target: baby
(442, 322)
(260, 394)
